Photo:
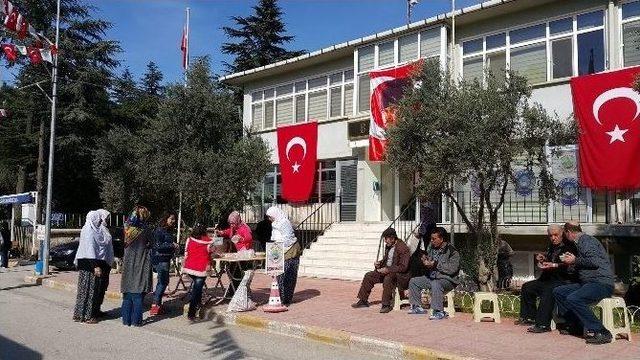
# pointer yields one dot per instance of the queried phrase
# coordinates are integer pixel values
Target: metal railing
(405, 223)
(77, 220)
(316, 223)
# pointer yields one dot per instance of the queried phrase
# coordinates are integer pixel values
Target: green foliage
(195, 144)
(450, 132)
(259, 38)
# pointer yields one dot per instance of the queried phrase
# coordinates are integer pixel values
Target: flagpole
(54, 98)
(186, 68)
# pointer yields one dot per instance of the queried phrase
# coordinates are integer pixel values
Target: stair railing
(404, 228)
(317, 222)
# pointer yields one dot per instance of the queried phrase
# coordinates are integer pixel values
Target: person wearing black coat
(554, 274)
(5, 245)
(162, 251)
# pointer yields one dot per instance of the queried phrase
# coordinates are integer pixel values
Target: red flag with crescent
(608, 112)
(297, 153)
(387, 87)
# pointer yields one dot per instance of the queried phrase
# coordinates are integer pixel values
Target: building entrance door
(348, 180)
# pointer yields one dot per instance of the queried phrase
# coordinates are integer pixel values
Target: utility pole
(54, 98)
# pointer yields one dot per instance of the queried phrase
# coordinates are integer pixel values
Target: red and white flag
(184, 47)
(608, 113)
(387, 88)
(297, 152)
(10, 51)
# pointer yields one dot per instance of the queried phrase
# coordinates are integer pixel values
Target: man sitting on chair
(443, 263)
(554, 274)
(391, 271)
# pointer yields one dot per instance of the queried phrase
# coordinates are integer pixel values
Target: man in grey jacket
(595, 283)
(443, 263)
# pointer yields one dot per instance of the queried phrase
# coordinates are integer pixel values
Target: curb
(331, 337)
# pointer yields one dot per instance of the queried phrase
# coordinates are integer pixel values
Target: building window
(389, 54)
(318, 98)
(324, 188)
(631, 33)
(570, 46)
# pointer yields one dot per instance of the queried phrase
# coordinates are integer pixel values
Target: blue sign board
(16, 199)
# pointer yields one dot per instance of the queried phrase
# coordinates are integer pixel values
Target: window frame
(547, 40)
(295, 93)
(622, 23)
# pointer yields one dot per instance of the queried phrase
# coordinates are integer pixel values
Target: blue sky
(150, 30)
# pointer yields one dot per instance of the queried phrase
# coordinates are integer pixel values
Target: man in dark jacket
(443, 263)
(5, 244)
(554, 274)
(390, 271)
(595, 283)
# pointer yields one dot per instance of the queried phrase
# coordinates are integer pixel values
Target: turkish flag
(34, 55)
(297, 152)
(608, 109)
(10, 51)
(11, 21)
(387, 88)
(184, 47)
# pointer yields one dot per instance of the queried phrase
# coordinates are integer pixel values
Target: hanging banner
(387, 88)
(607, 109)
(297, 153)
(563, 161)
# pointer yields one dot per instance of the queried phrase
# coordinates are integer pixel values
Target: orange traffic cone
(274, 305)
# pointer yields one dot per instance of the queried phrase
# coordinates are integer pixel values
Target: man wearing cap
(391, 271)
(596, 283)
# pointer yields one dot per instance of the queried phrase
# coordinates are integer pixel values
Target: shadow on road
(12, 350)
(223, 346)
(18, 286)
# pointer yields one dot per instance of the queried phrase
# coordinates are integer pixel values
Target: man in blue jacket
(595, 283)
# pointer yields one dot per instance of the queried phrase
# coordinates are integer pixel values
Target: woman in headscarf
(89, 259)
(106, 253)
(282, 231)
(136, 275)
(164, 246)
(196, 264)
(238, 232)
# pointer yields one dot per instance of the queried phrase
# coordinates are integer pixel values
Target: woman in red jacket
(196, 264)
(238, 232)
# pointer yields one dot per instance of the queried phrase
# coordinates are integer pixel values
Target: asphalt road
(35, 323)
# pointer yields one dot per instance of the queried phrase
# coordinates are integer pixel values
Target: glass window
(528, 33)
(366, 58)
(630, 9)
(301, 86)
(268, 94)
(531, 62)
(318, 106)
(591, 52)
(268, 115)
(386, 53)
(561, 26)
(562, 63)
(408, 48)
(631, 41)
(430, 43)
(301, 107)
(364, 93)
(335, 102)
(590, 20)
(317, 82)
(284, 90)
(496, 64)
(256, 96)
(335, 79)
(348, 75)
(284, 111)
(472, 69)
(496, 41)
(348, 99)
(256, 117)
(472, 46)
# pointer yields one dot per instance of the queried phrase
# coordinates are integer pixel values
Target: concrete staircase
(346, 251)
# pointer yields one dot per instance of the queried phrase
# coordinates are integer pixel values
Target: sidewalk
(322, 312)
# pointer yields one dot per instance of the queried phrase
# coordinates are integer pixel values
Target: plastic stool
(608, 307)
(479, 297)
(397, 302)
(448, 304)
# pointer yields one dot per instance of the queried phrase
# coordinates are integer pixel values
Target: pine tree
(125, 89)
(152, 80)
(260, 38)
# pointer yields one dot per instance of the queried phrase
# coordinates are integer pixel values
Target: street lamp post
(54, 97)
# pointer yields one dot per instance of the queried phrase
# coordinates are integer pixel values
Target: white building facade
(548, 41)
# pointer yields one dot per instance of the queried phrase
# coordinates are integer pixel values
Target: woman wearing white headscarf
(106, 254)
(89, 258)
(282, 231)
